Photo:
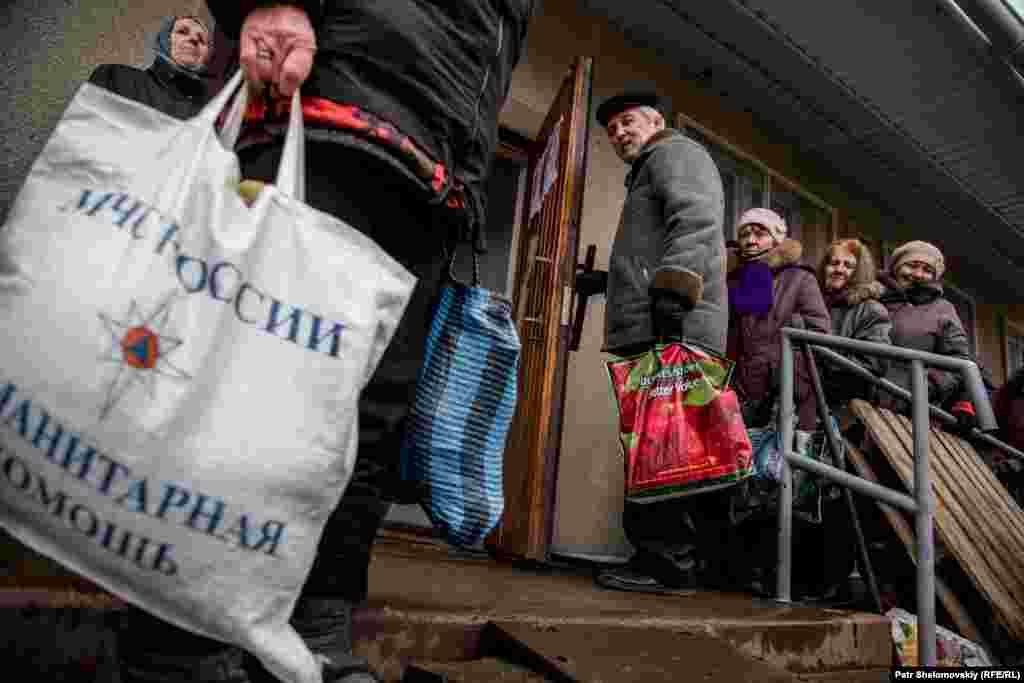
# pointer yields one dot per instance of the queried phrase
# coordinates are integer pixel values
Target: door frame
(531, 463)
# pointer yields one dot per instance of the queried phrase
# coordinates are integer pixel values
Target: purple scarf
(751, 291)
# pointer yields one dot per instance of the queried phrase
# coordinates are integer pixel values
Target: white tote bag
(179, 372)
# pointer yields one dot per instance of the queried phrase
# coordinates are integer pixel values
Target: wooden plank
(1007, 508)
(965, 625)
(967, 510)
(953, 524)
(972, 508)
(896, 447)
(963, 514)
(998, 503)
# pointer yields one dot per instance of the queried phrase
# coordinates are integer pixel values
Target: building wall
(47, 49)
(589, 493)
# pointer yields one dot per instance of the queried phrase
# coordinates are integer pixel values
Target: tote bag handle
(291, 174)
(450, 253)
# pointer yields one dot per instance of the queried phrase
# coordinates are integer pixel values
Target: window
(749, 183)
(807, 221)
(1014, 348)
(743, 183)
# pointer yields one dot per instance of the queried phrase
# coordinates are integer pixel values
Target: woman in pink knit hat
(770, 288)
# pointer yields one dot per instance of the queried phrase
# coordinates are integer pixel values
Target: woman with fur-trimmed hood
(848, 280)
(769, 289)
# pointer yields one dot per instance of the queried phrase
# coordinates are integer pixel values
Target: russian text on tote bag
(180, 371)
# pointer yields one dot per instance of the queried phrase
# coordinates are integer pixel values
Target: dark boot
(153, 651)
(650, 572)
(225, 666)
(325, 624)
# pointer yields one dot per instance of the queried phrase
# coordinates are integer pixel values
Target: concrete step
(500, 671)
(432, 605)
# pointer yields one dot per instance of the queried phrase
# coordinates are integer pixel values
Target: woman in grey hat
(924, 319)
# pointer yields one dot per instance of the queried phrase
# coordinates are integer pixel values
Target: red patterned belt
(348, 117)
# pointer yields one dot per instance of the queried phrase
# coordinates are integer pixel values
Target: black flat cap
(627, 100)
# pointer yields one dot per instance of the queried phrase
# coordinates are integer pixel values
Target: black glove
(667, 311)
(591, 282)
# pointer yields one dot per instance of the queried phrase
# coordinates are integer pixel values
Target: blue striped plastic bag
(454, 443)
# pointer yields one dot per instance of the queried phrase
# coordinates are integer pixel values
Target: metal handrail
(922, 504)
(939, 414)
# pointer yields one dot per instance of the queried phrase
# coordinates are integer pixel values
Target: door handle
(581, 299)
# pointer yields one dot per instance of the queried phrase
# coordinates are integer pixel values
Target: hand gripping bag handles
(454, 443)
(180, 374)
(680, 427)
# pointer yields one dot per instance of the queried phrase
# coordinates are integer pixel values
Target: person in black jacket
(400, 102)
(175, 83)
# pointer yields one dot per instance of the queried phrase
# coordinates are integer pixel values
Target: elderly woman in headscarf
(923, 319)
(849, 284)
(175, 83)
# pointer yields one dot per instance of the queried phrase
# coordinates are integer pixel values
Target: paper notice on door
(545, 172)
(551, 159)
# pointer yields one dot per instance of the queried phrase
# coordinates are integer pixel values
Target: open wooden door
(545, 268)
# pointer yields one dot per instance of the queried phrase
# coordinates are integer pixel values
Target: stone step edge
(850, 641)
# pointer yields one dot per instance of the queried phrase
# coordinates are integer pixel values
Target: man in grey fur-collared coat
(667, 273)
(666, 281)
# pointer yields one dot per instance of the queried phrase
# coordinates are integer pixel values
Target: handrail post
(923, 518)
(975, 387)
(923, 502)
(785, 427)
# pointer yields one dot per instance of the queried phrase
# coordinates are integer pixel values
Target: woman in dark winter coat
(175, 83)
(769, 289)
(848, 282)
(923, 319)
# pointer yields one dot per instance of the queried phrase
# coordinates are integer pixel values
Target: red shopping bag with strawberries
(680, 426)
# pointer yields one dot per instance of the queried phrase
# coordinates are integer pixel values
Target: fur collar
(656, 139)
(663, 134)
(786, 254)
(858, 294)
